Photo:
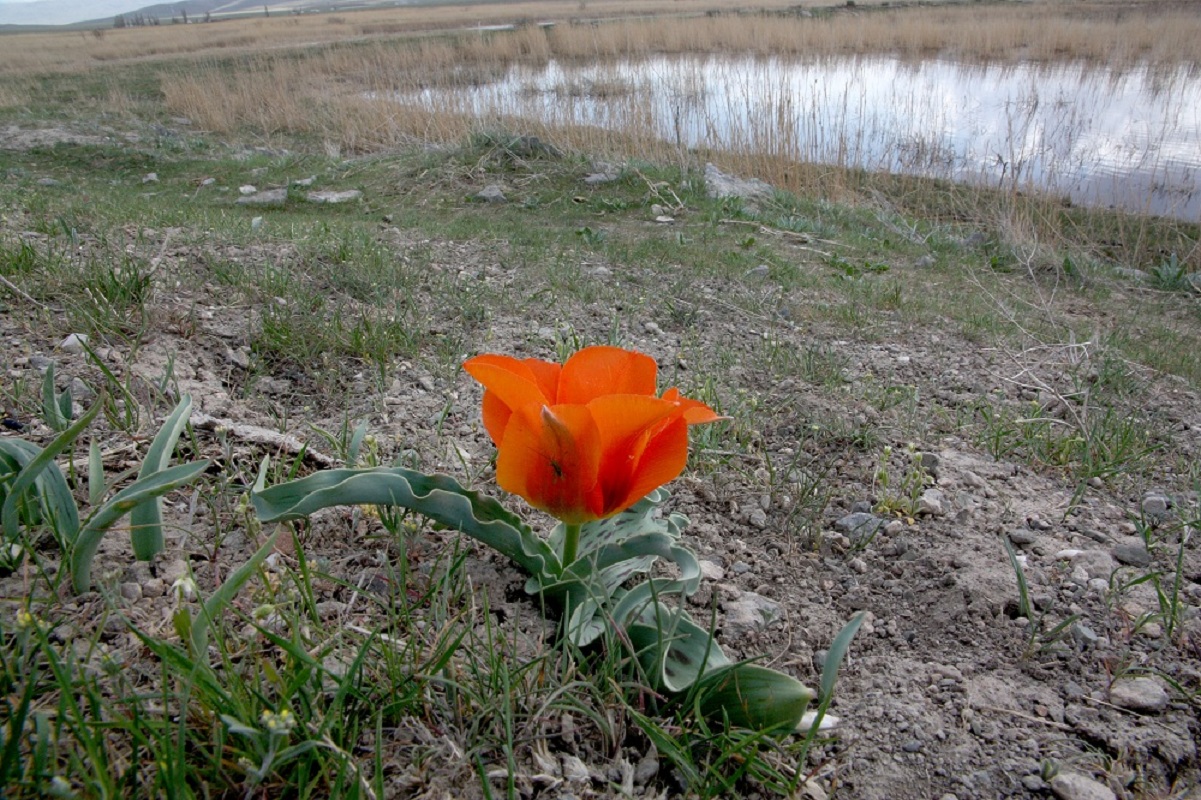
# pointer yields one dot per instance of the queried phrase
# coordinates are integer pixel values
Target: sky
(62, 12)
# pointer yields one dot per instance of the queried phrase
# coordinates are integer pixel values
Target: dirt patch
(13, 137)
(955, 687)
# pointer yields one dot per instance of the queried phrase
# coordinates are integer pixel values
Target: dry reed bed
(341, 94)
(291, 85)
(75, 50)
(1157, 32)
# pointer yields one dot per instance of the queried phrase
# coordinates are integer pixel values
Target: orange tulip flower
(587, 439)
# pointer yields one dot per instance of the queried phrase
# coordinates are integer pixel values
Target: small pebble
(1132, 554)
(74, 344)
(932, 502)
(1074, 786)
(1138, 694)
(1155, 507)
(1021, 536)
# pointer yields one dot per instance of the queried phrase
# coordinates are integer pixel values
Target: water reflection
(1129, 139)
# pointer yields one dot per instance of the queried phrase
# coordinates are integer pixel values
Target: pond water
(1129, 139)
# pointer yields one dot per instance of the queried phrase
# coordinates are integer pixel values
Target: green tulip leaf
(439, 497)
(673, 650)
(835, 655)
(66, 525)
(754, 696)
(123, 502)
(146, 520)
(591, 589)
(634, 521)
(56, 407)
(50, 499)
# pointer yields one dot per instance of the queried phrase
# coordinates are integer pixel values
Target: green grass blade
(33, 469)
(215, 605)
(1024, 608)
(119, 505)
(668, 746)
(146, 520)
(10, 757)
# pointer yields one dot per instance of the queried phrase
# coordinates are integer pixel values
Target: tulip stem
(571, 543)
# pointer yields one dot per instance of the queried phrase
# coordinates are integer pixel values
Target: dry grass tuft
(1043, 31)
(343, 94)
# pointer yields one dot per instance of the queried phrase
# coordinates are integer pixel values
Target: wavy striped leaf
(439, 497)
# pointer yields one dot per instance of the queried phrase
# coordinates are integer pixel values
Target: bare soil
(946, 692)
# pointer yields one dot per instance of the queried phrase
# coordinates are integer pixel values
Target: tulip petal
(626, 424)
(695, 412)
(601, 370)
(588, 439)
(550, 455)
(496, 416)
(547, 374)
(513, 381)
(510, 384)
(661, 460)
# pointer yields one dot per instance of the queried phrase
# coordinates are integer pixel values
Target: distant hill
(60, 12)
(100, 13)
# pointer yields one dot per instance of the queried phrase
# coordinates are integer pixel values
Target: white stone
(931, 502)
(1139, 694)
(748, 612)
(333, 198)
(74, 344)
(575, 770)
(1074, 786)
(269, 197)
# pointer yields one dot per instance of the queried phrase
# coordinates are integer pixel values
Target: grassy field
(836, 322)
(1109, 32)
